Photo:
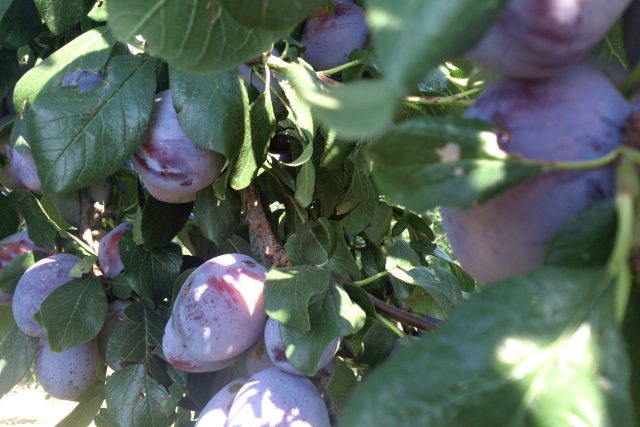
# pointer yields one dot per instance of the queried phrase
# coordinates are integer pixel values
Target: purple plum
(25, 168)
(276, 349)
(11, 247)
(34, 287)
(216, 412)
(276, 399)
(172, 167)
(576, 115)
(218, 312)
(330, 38)
(109, 251)
(538, 38)
(177, 355)
(65, 375)
(8, 174)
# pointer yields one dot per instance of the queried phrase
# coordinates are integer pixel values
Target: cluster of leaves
(350, 207)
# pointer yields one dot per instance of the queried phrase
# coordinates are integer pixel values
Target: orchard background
(177, 175)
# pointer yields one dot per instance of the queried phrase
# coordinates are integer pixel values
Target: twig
(403, 316)
(86, 213)
(260, 229)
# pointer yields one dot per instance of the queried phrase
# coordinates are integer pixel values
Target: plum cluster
(547, 107)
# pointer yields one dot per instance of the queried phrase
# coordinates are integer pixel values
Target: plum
(11, 247)
(25, 168)
(276, 399)
(70, 205)
(65, 375)
(172, 167)
(538, 38)
(34, 287)
(8, 174)
(216, 412)
(257, 359)
(276, 349)
(109, 251)
(330, 38)
(115, 313)
(576, 115)
(218, 312)
(177, 355)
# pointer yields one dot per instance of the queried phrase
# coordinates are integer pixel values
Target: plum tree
(109, 251)
(11, 247)
(535, 39)
(172, 167)
(34, 287)
(330, 37)
(576, 115)
(216, 411)
(66, 374)
(176, 353)
(219, 312)
(70, 204)
(277, 399)
(276, 349)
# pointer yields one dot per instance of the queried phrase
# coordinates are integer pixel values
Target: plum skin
(219, 311)
(275, 398)
(507, 235)
(34, 287)
(276, 350)
(177, 355)
(10, 248)
(65, 375)
(109, 251)
(216, 411)
(331, 38)
(538, 38)
(172, 167)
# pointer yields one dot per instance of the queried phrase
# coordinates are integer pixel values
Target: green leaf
(217, 219)
(88, 51)
(310, 244)
(428, 162)
(359, 203)
(136, 399)
(11, 273)
(136, 337)
(76, 131)
(73, 313)
(84, 413)
(10, 218)
(271, 14)
(17, 352)
(19, 22)
(60, 15)
(342, 384)
(587, 239)
(305, 183)
(41, 228)
(162, 221)
(197, 36)
(150, 273)
(331, 316)
(441, 287)
(545, 347)
(213, 109)
(9, 70)
(253, 152)
(380, 223)
(288, 292)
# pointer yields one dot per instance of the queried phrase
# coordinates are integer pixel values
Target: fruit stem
(371, 279)
(579, 165)
(458, 98)
(340, 68)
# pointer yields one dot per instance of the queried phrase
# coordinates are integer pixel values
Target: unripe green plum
(109, 251)
(219, 312)
(34, 287)
(330, 38)
(11, 247)
(538, 38)
(172, 167)
(67, 374)
(70, 204)
(276, 399)
(276, 349)
(574, 116)
(177, 355)
(216, 412)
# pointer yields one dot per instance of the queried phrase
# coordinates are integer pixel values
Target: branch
(404, 317)
(260, 229)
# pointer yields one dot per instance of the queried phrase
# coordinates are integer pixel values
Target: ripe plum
(109, 251)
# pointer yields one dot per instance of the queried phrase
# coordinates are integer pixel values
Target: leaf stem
(458, 98)
(371, 279)
(389, 324)
(340, 68)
